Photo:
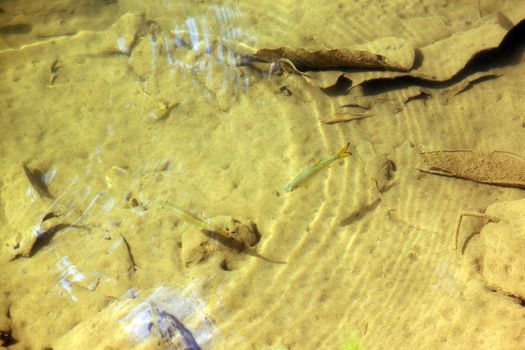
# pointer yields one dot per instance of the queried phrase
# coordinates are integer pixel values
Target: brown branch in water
(336, 120)
(128, 248)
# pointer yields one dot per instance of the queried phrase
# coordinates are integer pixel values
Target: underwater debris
(336, 120)
(277, 67)
(55, 66)
(468, 84)
(359, 57)
(166, 318)
(163, 108)
(366, 106)
(286, 65)
(168, 326)
(485, 219)
(41, 235)
(133, 267)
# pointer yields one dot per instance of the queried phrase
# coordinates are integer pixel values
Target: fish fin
(344, 152)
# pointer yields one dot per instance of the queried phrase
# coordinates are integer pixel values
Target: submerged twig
(335, 120)
(128, 248)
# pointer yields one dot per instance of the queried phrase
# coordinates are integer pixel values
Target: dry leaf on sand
(496, 168)
(386, 53)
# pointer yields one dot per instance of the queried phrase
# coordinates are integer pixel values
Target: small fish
(216, 233)
(311, 170)
(188, 217)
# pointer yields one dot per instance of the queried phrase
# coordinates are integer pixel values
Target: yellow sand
(117, 116)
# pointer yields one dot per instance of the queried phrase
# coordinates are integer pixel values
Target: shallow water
(147, 148)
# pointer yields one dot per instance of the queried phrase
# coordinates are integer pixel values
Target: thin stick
(128, 248)
(344, 119)
(486, 218)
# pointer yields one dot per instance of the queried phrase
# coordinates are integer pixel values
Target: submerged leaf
(386, 53)
(496, 168)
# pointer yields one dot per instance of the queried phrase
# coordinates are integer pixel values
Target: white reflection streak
(178, 36)
(117, 244)
(225, 16)
(154, 50)
(167, 47)
(205, 35)
(194, 32)
(123, 46)
(69, 275)
(238, 32)
(87, 209)
(230, 58)
(37, 229)
(49, 176)
(144, 321)
(229, 13)
(108, 206)
(246, 83)
(218, 14)
(137, 322)
(202, 66)
(62, 194)
(31, 194)
(220, 53)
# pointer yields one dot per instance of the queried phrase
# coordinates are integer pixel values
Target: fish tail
(344, 152)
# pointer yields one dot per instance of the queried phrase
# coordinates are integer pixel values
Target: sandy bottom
(142, 202)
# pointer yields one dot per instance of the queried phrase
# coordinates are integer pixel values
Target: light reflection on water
(68, 275)
(162, 314)
(207, 44)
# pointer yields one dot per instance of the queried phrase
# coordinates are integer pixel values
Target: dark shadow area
(45, 238)
(22, 28)
(341, 87)
(225, 241)
(509, 52)
(36, 177)
(362, 212)
(7, 339)
(518, 299)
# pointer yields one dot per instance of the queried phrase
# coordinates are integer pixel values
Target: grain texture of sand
(111, 108)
